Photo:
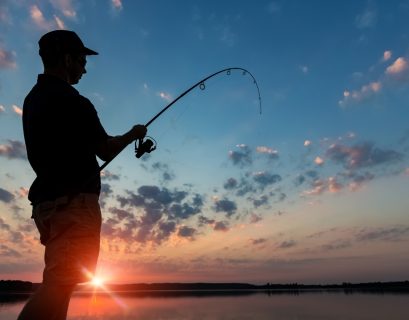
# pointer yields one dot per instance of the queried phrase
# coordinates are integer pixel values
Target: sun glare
(97, 282)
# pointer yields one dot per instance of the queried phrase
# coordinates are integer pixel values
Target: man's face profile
(75, 64)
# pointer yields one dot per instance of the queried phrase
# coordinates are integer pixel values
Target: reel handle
(142, 147)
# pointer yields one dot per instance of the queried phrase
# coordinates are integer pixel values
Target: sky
(312, 190)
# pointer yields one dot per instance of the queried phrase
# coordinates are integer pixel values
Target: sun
(97, 282)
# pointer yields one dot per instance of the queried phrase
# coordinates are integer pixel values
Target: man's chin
(75, 81)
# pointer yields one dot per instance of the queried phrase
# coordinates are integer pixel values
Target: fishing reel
(142, 147)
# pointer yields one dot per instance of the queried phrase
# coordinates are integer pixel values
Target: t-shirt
(61, 132)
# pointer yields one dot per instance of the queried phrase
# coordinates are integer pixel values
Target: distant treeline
(401, 286)
(16, 286)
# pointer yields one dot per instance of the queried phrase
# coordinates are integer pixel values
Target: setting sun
(97, 282)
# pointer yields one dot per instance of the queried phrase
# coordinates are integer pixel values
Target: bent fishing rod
(149, 145)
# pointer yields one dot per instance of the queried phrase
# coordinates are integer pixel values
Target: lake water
(228, 306)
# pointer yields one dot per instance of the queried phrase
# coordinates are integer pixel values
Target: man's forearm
(115, 145)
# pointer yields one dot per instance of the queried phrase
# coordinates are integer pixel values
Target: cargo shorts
(70, 231)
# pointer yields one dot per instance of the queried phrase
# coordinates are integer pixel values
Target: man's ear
(67, 60)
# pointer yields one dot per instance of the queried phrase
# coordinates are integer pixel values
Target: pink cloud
(333, 185)
(13, 150)
(400, 65)
(65, 7)
(59, 22)
(38, 18)
(17, 110)
(117, 4)
(42, 23)
(7, 59)
(319, 161)
(319, 187)
(387, 55)
(365, 92)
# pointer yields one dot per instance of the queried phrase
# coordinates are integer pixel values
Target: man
(63, 136)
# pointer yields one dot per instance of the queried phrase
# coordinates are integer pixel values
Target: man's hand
(113, 146)
(138, 132)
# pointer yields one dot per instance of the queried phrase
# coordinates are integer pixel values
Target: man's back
(61, 130)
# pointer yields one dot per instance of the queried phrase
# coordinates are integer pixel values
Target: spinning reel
(142, 147)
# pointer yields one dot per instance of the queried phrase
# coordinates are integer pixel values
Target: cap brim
(89, 52)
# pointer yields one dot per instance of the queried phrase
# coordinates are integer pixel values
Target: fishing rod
(149, 145)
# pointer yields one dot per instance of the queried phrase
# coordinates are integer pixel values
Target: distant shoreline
(26, 287)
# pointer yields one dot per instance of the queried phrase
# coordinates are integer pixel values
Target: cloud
(5, 17)
(13, 150)
(367, 19)
(387, 55)
(241, 158)
(59, 22)
(318, 161)
(396, 233)
(205, 221)
(38, 18)
(337, 245)
(17, 110)
(333, 185)
(23, 192)
(221, 226)
(228, 37)
(263, 178)
(158, 211)
(227, 206)
(183, 211)
(304, 69)
(6, 251)
(117, 4)
(398, 70)
(108, 175)
(318, 187)
(6, 196)
(272, 154)
(165, 96)
(65, 7)
(163, 168)
(7, 59)
(400, 65)
(2, 109)
(307, 143)
(367, 91)
(187, 232)
(254, 218)
(120, 214)
(230, 184)
(42, 23)
(361, 155)
(258, 241)
(356, 181)
(263, 200)
(286, 244)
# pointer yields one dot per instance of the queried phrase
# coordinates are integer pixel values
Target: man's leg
(49, 302)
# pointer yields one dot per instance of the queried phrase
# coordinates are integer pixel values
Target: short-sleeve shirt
(61, 131)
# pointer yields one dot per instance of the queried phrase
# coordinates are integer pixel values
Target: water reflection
(227, 305)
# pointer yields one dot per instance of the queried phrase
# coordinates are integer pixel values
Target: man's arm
(112, 146)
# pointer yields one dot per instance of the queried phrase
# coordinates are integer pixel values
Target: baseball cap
(63, 41)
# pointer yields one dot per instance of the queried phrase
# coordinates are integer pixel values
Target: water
(228, 306)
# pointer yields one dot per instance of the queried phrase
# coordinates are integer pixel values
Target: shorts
(70, 231)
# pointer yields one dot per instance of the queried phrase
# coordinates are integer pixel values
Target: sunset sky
(313, 190)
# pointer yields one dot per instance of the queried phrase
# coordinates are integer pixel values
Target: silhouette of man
(63, 137)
